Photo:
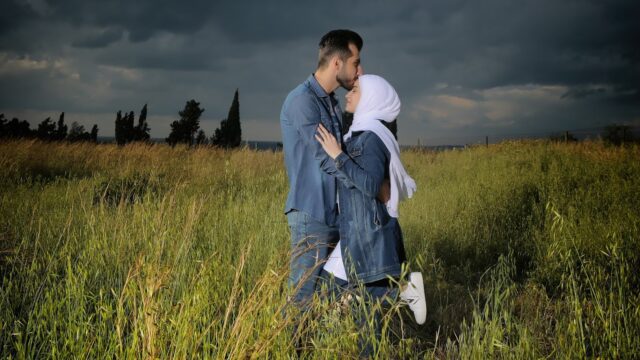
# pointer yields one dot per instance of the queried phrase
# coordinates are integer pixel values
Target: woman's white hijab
(379, 101)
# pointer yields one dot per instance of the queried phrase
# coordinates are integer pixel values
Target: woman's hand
(328, 142)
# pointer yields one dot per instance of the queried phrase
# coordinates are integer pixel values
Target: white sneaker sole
(420, 307)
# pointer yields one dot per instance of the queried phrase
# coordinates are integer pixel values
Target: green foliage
(229, 135)
(126, 132)
(61, 130)
(15, 129)
(566, 137)
(128, 190)
(617, 135)
(94, 133)
(184, 130)
(141, 131)
(46, 129)
(201, 138)
(122, 132)
(77, 133)
(528, 250)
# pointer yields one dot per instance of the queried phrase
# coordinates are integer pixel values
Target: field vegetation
(529, 249)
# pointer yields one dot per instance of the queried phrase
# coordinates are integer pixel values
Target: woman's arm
(367, 174)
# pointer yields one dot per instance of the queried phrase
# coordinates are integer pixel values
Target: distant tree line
(613, 134)
(186, 130)
(47, 130)
(619, 134)
(127, 132)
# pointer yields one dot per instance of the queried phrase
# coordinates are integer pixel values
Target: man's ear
(336, 62)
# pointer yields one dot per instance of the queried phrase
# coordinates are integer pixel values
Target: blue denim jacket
(370, 239)
(311, 171)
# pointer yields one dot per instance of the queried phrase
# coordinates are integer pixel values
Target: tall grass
(529, 250)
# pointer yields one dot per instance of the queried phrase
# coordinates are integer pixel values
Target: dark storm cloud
(102, 38)
(290, 20)
(498, 43)
(142, 19)
(13, 15)
(178, 54)
(459, 66)
(582, 92)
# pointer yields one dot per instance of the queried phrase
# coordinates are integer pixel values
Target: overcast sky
(463, 69)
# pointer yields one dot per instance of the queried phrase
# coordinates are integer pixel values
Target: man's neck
(326, 80)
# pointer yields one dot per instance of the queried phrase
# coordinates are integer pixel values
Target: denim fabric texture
(311, 242)
(311, 172)
(382, 291)
(311, 206)
(371, 240)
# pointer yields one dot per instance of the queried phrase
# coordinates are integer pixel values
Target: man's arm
(304, 114)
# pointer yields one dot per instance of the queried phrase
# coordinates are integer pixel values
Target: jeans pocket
(298, 226)
(295, 218)
(376, 218)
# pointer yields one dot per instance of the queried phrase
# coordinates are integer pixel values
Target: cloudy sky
(463, 69)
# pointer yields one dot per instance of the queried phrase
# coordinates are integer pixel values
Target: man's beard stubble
(344, 81)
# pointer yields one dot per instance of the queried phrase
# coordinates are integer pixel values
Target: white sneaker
(413, 295)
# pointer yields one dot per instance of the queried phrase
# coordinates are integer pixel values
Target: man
(311, 206)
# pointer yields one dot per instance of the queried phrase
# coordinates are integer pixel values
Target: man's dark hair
(337, 41)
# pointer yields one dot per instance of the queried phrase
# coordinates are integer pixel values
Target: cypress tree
(233, 119)
(61, 131)
(229, 134)
(120, 135)
(142, 129)
(94, 133)
(129, 128)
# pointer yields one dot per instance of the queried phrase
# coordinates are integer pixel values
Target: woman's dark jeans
(379, 291)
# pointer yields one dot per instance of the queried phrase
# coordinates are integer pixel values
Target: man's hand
(385, 191)
(328, 142)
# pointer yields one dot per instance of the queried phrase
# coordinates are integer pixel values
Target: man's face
(349, 70)
(353, 98)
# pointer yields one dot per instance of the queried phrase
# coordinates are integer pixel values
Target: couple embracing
(346, 184)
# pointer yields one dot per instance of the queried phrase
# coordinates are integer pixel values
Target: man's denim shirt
(310, 170)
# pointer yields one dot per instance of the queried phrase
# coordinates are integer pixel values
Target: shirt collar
(317, 89)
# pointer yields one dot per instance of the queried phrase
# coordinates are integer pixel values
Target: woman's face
(353, 97)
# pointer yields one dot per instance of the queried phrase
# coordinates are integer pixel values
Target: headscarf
(379, 101)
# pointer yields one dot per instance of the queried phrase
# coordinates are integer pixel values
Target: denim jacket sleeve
(367, 173)
(305, 116)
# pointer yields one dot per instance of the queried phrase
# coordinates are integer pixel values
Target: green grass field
(529, 250)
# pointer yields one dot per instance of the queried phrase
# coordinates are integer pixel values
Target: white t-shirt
(335, 265)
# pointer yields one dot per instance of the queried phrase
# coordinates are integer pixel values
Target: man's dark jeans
(311, 242)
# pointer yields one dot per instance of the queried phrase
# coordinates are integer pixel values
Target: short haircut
(337, 42)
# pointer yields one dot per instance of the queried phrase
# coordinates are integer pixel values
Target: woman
(371, 239)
